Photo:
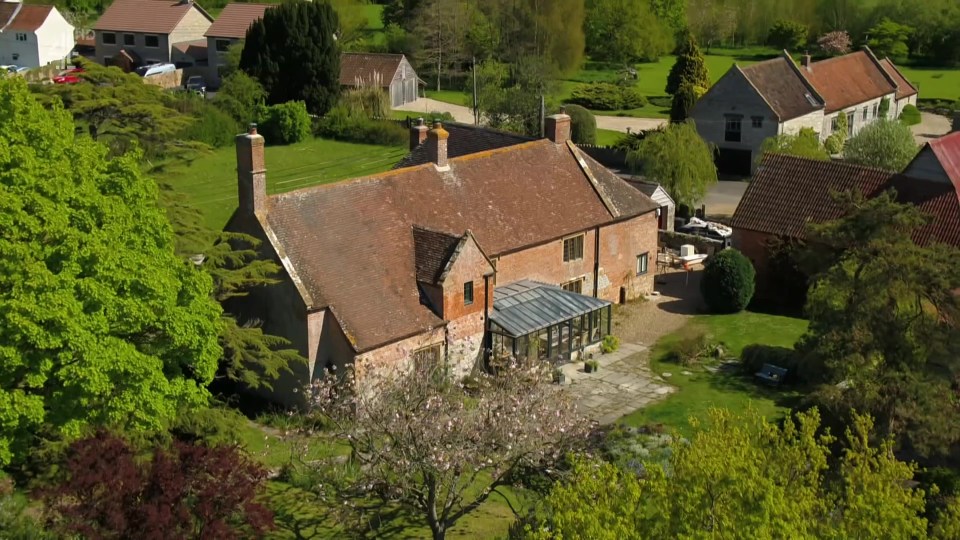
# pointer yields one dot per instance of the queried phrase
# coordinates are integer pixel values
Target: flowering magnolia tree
(440, 448)
(834, 43)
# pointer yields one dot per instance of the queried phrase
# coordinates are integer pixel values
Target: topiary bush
(285, 123)
(610, 343)
(910, 115)
(583, 126)
(728, 282)
(607, 97)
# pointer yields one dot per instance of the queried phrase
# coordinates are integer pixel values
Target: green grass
(374, 21)
(934, 83)
(211, 183)
(451, 96)
(702, 390)
(606, 137)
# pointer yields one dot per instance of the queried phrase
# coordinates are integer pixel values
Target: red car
(69, 76)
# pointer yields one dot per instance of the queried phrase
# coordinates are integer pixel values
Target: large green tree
(805, 143)
(884, 143)
(293, 52)
(679, 159)
(100, 321)
(884, 324)
(742, 477)
(625, 31)
(690, 68)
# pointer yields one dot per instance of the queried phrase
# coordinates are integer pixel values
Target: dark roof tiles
(782, 88)
(432, 250)
(368, 68)
(464, 139)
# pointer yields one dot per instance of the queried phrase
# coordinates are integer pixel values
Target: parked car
(707, 229)
(68, 76)
(196, 84)
(150, 70)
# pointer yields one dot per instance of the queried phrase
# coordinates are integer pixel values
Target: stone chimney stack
(418, 134)
(251, 172)
(557, 127)
(437, 149)
(806, 62)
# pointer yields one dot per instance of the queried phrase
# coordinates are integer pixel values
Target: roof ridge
(803, 78)
(900, 73)
(876, 63)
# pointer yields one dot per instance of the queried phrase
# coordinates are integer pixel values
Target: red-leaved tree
(440, 449)
(107, 490)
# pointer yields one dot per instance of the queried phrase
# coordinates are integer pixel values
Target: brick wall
(388, 360)
(754, 245)
(545, 263)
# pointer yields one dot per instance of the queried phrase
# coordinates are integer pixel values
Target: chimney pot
(253, 128)
(418, 134)
(806, 62)
(557, 127)
(437, 140)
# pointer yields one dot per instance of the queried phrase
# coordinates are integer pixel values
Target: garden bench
(771, 374)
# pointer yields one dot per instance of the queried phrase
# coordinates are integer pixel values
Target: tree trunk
(437, 526)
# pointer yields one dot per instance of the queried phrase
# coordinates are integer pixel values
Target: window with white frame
(574, 285)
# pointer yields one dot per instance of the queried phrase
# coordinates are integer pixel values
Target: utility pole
(476, 106)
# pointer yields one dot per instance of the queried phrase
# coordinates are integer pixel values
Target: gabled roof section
(904, 87)
(947, 151)
(235, 19)
(432, 252)
(18, 17)
(779, 83)
(845, 81)
(936, 199)
(369, 68)
(147, 16)
(464, 139)
(351, 245)
(789, 192)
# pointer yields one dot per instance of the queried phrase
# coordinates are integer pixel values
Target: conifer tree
(689, 68)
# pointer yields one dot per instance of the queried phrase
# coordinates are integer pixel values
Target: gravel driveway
(931, 126)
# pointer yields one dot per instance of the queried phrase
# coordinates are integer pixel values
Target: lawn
(457, 97)
(211, 182)
(702, 389)
(934, 83)
(606, 137)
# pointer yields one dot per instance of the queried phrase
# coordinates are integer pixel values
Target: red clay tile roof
(353, 247)
(28, 19)
(235, 19)
(904, 88)
(789, 192)
(148, 16)
(432, 250)
(936, 199)
(368, 67)
(782, 87)
(947, 151)
(464, 139)
(847, 80)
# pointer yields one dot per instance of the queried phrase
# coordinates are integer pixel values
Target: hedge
(910, 115)
(607, 97)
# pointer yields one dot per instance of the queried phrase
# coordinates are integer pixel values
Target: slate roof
(432, 250)
(148, 16)
(235, 19)
(789, 192)
(783, 88)
(904, 87)
(28, 19)
(367, 67)
(464, 139)
(352, 245)
(527, 306)
(847, 80)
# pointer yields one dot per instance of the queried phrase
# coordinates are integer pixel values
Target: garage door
(734, 161)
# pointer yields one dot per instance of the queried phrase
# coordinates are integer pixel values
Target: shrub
(661, 101)
(286, 123)
(755, 356)
(883, 108)
(211, 126)
(834, 143)
(695, 345)
(240, 96)
(607, 97)
(789, 35)
(683, 102)
(583, 126)
(213, 426)
(340, 124)
(610, 343)
(728, 282)
(910, 115)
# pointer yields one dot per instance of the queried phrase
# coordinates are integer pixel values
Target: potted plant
(558, 376)
(591, 365)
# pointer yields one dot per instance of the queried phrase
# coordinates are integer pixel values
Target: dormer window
(468, 293)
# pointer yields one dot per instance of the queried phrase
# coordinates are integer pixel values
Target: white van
(155, 69)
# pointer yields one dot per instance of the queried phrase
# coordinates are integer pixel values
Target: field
(702, 389)
(210, 183)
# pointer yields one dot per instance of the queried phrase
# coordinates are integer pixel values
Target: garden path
(931, 126)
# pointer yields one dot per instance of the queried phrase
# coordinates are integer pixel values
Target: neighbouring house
(392, 72)
(777, 96)
(448, 264)
(667, 211)
(788, 193)
(230, 27)
(132, 33)
(33, 35)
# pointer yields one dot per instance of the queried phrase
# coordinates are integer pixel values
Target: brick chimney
(251, 173)
(806, 62)
(418, 134)
(557, 127)
(437, 146)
